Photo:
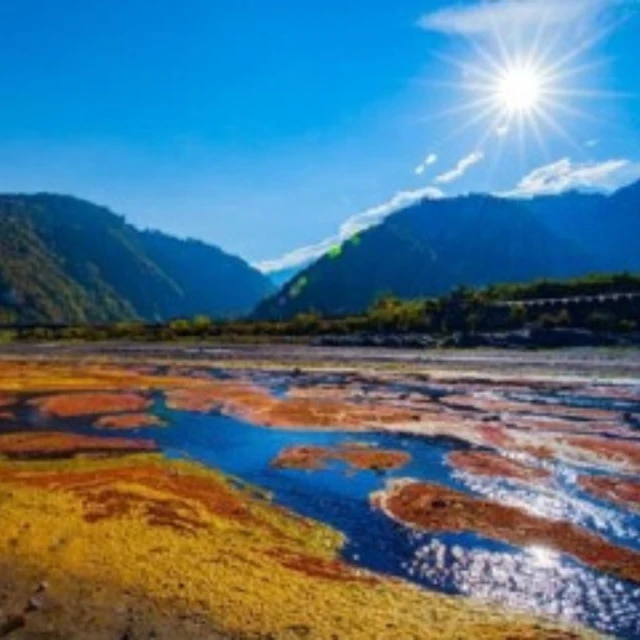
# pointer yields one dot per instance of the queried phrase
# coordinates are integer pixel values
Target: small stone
(42, 587)
(34, 604)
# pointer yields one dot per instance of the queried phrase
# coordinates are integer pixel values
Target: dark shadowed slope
(435, 245)
(66, 260)
(605, 226)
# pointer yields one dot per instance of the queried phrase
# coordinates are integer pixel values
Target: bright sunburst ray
(526, 90)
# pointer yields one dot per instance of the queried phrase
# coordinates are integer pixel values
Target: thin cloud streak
(486, 18)
(432, 158)
(460, 169)
(565, 175)
(351, 226)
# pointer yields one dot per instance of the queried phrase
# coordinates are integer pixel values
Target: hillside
(431, 247)
(606, 226)
(67, 260)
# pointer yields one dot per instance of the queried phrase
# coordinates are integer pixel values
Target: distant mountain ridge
(433, 246)
(66, 260)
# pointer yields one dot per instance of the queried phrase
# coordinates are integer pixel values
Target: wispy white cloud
(591, 143)
(503, 16)
(432, 158)
(463, 165)
(565, 175)
(351, 226)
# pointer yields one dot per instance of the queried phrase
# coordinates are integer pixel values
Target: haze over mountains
(65, 260)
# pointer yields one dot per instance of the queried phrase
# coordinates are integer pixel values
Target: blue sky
(264, 126)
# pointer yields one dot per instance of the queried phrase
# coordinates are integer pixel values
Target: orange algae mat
(81, 404)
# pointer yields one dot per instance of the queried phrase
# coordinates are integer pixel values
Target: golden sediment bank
(142, 547)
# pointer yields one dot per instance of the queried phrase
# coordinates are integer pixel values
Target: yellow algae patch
(21, 376)
(240, 567)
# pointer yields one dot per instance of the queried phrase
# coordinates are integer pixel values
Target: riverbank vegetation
(600, 303)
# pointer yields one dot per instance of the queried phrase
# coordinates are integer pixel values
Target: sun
(519, 89)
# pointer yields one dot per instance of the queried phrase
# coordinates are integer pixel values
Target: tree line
(462, 310)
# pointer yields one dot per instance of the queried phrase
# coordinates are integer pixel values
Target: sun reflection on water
(534, 578)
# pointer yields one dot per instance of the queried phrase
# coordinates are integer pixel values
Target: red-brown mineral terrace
(624, 452)
(51, 444)
(492, 464)
(257, 405)
(6, 400)
(436, 508)
(621, 490)
(67, 405)
(128, 421)
(490, 404)
(356, 456)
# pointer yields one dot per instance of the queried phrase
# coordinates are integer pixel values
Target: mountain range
(65, 260)
(435, 245)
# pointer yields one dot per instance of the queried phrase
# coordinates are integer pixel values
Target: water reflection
(535, 577)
